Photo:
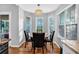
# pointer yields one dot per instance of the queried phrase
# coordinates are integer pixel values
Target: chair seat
(47, 40)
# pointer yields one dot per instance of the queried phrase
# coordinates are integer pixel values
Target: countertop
(2, 41)
(72, 44)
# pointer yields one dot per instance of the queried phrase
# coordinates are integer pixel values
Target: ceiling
(44, 7)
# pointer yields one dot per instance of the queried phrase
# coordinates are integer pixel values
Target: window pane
(70, 19)
(61, 25)
(51, 24)
(61, 30)
(71, 27)
(71, 31)
(62, 17)
(39, 24)
(27, 25)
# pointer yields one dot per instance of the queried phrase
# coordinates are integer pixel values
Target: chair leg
(43, 50)
(46, 46)
(61, 50)
(25, 44)
(52, 46)
(34, 50)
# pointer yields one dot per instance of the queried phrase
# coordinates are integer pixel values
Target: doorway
(4, 26)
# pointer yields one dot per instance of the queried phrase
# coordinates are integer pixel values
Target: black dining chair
(26, 38)
(38, 41)
(51, 39)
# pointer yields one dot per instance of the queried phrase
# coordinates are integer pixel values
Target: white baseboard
(13, 45)
(21, 43)
(57, 44)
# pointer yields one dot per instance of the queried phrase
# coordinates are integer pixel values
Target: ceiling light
(38, 11)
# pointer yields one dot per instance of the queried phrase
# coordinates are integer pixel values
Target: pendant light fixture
(38, 11)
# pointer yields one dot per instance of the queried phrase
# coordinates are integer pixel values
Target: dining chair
(51, 39)
(26, 38)
(38, 41)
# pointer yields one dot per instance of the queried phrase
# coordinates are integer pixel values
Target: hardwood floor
(28, 50)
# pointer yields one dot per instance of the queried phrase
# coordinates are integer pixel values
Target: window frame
(65, 10)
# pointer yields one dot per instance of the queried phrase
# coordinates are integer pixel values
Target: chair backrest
(38, 39)
(52, 35)
(26, 35)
